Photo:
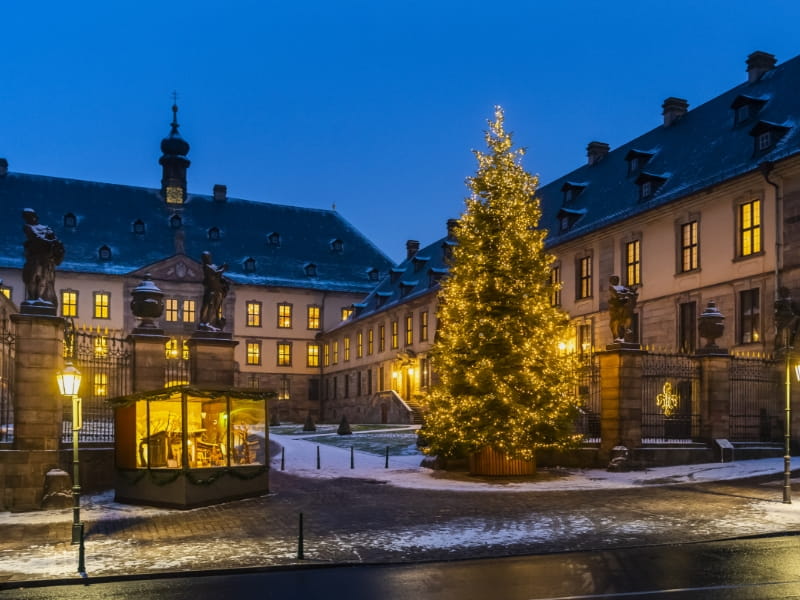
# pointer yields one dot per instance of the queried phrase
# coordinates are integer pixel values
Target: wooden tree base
(493, 463)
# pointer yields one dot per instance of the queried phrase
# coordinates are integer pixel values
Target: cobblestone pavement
(361, 520)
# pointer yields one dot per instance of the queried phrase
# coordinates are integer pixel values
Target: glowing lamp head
(69, 380)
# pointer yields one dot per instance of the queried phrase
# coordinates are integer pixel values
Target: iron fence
(588, 394)
(104, 361)
(7, 354)
(756, 402)
(670, 398)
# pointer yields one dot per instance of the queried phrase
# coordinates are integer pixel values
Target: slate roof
(106, 213)
(416, 276)
(705, 147)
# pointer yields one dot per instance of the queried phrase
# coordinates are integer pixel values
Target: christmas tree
(503, 381)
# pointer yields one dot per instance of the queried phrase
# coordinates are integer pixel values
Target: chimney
(673, 110)
(3, 167)
(220, 193)
(412, 246)
(759, 63)
(596, 151)
(451, 227)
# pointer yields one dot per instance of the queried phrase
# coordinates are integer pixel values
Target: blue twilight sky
(371, 105)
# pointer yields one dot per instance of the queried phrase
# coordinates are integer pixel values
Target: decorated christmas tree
(503, 381)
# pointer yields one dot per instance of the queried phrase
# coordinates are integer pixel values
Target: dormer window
(104, 253)
(274, 239)
(572, 191)
(249, 265)
(649, 184)
(637, 159)
(394, 274)
(310, 269)
(746, 107)
(766, 135)
(373, 274)
(419, 262)
(435, 276)
(213, 233)
(406, 287)
(382, 297)
(336, 245)
(138, 227)
(175, 221)
(70, 221)
(567, 218)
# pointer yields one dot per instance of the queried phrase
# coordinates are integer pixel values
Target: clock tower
(174, 163)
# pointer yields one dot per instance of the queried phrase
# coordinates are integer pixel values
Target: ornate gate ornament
(667, 401)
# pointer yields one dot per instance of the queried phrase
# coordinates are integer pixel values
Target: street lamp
(69, 383)
(787, 430)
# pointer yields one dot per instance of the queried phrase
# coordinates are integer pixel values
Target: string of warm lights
(504, 382)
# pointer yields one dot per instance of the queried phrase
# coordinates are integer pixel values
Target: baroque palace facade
(705, 207)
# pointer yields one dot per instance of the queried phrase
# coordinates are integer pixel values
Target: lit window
(69, 303)
(370, 340)
(174, 194)
(284, 315)
(284, 354)
(283, 390)
(6, 291)
(750, 228)
(359, 344)
(347, 312)
(254, 314)
(326, 355)
(633, 263)
(102, 303)
(409, 330)
(312, 355)
(100, 384)
(346, 347)
(395, 334)
(171, 309)
(100, 346)
(423, 326)
(584, 287)
(555, 286)
(335, 352)
(253, 353)
(382, 338)
(312, 317)
(177, 349)
(188, 311)
(749, 317)
(689, 247)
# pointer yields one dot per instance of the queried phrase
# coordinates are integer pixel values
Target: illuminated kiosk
(187, 446)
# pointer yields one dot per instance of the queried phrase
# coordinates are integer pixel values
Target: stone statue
(787, 319)
(621, 302)
(43, 253)
(215, 288)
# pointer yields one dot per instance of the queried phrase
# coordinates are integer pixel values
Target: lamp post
(69, 383)
(787, 430)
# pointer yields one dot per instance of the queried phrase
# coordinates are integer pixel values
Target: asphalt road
(751, 569)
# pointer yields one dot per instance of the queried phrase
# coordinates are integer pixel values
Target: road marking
(670, 591)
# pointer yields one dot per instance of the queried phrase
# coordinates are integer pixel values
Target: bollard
(81, 555)
(283, 459)
(352, 460)
(300, 539)
(386, 466)
(318, 457)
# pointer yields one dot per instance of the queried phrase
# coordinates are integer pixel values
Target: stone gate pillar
(621, 399)
(211, 358)
(715, 396)
(149, 359)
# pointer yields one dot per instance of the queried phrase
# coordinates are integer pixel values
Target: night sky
(373, 106)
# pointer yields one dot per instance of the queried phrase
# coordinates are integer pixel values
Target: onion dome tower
(174, 163)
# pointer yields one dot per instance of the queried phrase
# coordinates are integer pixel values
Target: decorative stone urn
(711, 326)
(147, 303)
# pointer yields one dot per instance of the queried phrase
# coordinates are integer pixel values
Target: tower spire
(173, 161)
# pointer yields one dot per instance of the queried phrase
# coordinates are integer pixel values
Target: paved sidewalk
(404, 513)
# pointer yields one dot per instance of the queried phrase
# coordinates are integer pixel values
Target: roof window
(394, 274)
(406, 287)
(649, 184)
(249, 265)
(213, 233)
(274, 239)
(637, 159)
(310, 269)
(567, 218)
(104, 253)
(572, 191)
(766, 135)
(373, 274)
(138, 227)
(175, 221)
(336, 245)
(746, 107)
(70, 221)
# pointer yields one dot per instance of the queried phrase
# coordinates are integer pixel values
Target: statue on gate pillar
(43, 253)
(215, 288)
(621, 302)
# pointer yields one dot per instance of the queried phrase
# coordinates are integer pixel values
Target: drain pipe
(766, 169)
